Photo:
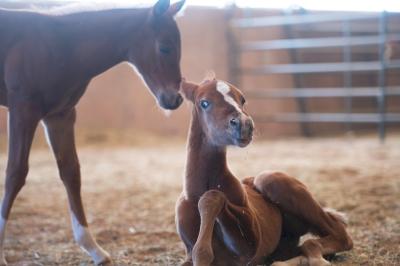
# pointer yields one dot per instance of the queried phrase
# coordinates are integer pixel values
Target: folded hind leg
(293, 197)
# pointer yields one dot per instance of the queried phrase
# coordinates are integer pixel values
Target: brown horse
(46, 63)
(225, 222)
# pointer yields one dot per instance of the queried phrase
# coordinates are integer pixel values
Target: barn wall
(118, 101)
(129, 105)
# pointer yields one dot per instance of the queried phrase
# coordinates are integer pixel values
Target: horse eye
(204, 104)
(165, 50)
(243, 100)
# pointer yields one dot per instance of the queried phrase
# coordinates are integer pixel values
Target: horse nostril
(234, 122)
(250, 125)
(170, 102)
(179, 100)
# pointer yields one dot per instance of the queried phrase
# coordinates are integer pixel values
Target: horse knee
(274, 184)
(212, 200)
(345, 242)
(339, 225)
(16, 177)
(270, 178)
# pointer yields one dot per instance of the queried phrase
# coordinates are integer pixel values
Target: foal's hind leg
(293, 197)
(22, 123)
(60, 134)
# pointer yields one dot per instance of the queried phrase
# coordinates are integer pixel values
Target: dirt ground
(130, 192)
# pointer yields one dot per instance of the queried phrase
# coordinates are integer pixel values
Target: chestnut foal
(223, 221)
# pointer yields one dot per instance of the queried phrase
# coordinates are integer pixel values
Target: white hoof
(318, 262)
(101, 257)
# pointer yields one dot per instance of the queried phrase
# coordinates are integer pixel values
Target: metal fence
(345, 34)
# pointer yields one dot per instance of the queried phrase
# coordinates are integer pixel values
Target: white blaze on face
(86, 241)
(224, 89)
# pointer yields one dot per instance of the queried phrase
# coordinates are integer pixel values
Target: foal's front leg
(23, 120)
(235, 225)
(210, 206)
(60, 134)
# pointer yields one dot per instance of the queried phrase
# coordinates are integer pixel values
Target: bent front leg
(234, 223)
(60, 134)
(210, 206)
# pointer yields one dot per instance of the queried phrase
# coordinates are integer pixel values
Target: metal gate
(378, 32)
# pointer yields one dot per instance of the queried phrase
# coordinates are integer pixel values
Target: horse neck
(206, 166)
(105, 37)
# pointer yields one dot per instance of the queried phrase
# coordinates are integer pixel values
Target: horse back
(17, 27)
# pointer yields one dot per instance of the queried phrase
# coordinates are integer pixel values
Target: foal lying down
(223, 221)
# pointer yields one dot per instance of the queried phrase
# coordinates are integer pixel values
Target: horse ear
(188, 89)
(160, 7)
(176, 7)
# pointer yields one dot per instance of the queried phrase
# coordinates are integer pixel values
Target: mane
(77, 7)
(210, 75)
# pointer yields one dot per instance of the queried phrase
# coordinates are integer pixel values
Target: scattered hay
(130, 193)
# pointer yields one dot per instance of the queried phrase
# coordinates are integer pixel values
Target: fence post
(381, 99)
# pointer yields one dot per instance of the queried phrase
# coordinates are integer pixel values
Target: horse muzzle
(170, 102)
(242, 128)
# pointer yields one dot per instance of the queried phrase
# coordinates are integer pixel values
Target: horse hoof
(106, 261)
(319, 262)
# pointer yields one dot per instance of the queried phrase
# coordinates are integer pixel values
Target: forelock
(225, 90)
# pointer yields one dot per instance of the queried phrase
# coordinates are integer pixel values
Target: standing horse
(46, 63)
(224, 222)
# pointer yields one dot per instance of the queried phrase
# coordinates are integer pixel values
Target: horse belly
(269, 221)
(60, 99)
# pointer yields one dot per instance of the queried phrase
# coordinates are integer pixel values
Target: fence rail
(299, 19)
(321, 67)
(356, 30)
(326, 42)
(331, 118)
(322, 92)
